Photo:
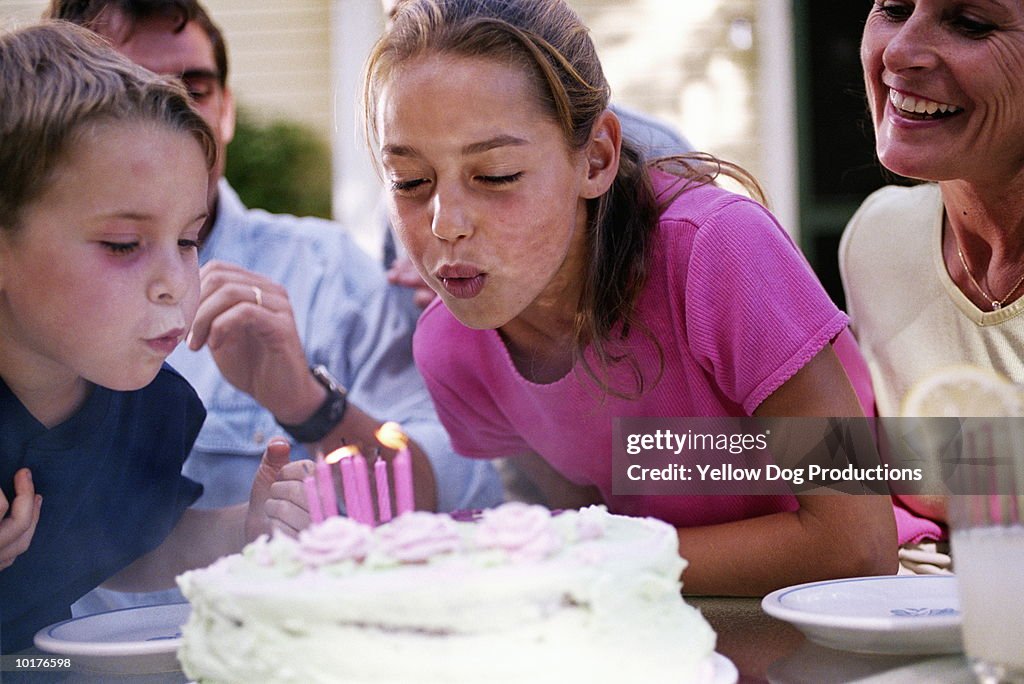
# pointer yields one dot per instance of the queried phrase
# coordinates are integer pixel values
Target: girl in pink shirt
(579, 285)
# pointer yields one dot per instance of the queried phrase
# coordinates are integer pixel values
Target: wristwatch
(327, 416)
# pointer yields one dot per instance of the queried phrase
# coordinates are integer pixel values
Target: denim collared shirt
(350, 320)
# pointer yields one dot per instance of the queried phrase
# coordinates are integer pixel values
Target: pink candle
(348, 481)
(316, 511)
(390, 435)
(380, 474)
(325, 484)
(402, 466)
(363, 488)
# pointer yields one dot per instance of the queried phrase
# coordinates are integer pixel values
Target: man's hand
(18, 518)
(247, 323)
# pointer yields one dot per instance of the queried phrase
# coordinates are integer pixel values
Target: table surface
(762, 648)
(768, 650)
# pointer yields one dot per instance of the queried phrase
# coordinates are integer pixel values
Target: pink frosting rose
(334, 540)
(520, 529)
(418, 536)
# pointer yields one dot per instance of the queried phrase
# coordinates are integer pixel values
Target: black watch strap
(330, 413)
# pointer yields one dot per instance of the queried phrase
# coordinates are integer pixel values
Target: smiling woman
(578, 284)
(943, 79)
(933, 273)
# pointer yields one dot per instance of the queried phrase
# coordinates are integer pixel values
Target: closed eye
(120, 247)
(501, 180)
(188, 244)
(406, 186)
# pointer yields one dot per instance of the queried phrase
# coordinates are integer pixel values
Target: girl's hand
(17, 528)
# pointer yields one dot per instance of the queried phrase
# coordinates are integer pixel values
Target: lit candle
(390, 435)
(365, 507)
(343, 457)
(325, 484)
(316, 511)
(380, 474)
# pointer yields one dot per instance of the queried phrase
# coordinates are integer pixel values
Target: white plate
(896, 614)
(142, 640)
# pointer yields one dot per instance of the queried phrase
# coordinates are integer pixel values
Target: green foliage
(281, 166)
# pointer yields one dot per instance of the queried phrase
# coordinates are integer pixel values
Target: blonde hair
(56, 79)
(549, 42)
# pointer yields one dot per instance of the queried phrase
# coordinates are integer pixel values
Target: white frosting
(518, 596)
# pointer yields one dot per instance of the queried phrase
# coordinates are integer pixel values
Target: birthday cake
(517, 595)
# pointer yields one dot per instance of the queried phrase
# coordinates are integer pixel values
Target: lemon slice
(964, 392)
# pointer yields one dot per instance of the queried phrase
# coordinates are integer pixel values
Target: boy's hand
(278, 500)
(16, 529)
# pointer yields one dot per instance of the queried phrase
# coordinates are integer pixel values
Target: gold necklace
(997, 304)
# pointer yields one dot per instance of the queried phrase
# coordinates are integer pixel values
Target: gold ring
(259, 295)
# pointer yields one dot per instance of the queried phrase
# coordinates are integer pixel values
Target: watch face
(327, 416)
(337, 409)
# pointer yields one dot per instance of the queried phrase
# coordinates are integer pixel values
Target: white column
(355, 26)
(776, 89)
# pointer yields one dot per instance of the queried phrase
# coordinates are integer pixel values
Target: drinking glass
(987, 524)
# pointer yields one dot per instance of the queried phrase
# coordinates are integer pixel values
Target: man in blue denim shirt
(280, 297)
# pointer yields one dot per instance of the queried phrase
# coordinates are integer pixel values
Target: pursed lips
(455, 271)
(167, 341)
(462, 281)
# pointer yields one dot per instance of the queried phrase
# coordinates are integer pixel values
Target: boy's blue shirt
(110, 478)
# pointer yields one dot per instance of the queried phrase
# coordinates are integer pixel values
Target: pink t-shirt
(737, 311)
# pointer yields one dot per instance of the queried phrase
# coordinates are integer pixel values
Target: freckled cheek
(413, 230)
(80, 305)
(537, 246)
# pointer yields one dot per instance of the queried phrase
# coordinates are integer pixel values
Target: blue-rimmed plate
(141, 640)
(896, 614)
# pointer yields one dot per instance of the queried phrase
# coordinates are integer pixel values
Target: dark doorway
(837, 164)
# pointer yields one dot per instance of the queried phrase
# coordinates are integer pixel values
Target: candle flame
(390, 435)
(346, 451)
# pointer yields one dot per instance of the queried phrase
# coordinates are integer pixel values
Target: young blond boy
(104, 171)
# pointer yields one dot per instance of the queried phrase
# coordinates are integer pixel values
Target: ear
(602, 155)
